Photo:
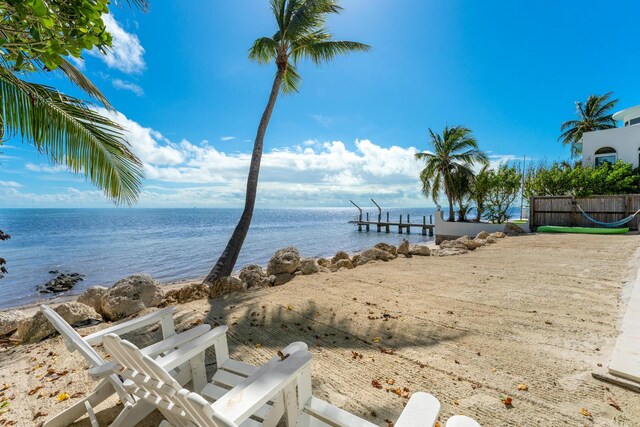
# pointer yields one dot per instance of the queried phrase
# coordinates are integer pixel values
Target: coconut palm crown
(593, 115)
(455, 151)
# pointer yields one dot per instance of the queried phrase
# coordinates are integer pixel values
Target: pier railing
(404, 225)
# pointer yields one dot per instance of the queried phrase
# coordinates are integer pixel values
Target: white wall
(625, 140)
(458, 229)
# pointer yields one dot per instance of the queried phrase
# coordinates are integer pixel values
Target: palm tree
(594, 115)
(454, 154)
(300, 34)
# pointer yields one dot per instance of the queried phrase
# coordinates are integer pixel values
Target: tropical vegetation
(504, 185)
(301, 33)
(563, 178)
(36, 37)
(449, 165)
(595, 114)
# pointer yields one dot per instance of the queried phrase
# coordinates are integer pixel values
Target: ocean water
(106, 245)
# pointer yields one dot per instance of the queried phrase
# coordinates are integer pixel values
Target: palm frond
(68, 132)
(291, 80)
(264, 50)
(305, 16)
(325, 51)
(83, 82)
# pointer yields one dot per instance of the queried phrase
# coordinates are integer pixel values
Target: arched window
(606, 154)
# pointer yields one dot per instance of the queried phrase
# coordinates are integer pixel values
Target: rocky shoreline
(136, 293)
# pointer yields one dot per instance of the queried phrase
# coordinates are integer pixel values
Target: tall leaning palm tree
(454, 154)
(301, 34)
(593, 115)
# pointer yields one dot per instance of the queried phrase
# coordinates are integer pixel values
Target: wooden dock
(402, 226)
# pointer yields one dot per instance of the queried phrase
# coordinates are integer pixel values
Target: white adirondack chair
(258, 400)
(277, 388)
(102, 371)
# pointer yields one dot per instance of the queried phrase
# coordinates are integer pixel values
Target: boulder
(38, 327)
(463, 238)
(374, 254)
(226, 285)
(323, 262)
(491, 239)
(453, 244)
(470, 244)
(448, 252)
(131, 295)
(344, 263)
(403, 249)
(187, 293)
(286, 260)
(309, 266)
(480, 242)
(254, 276)
(482, 235)
(419, 250)
(282, 278)
(498, 235)
(61, 283)
(9, 321)
(93, 297)
(387, 248)
(354, 259)
(340, 255)
(511, 229)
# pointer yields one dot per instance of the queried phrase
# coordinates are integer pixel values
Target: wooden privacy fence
(563, 210)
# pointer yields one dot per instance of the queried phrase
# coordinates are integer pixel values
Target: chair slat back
(73, 340)
(151, 382)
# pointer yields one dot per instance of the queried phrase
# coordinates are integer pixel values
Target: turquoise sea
(169, 244)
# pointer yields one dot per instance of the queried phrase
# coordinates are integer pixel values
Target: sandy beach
(538, 310)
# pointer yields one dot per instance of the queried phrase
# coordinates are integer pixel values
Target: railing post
(400, 225)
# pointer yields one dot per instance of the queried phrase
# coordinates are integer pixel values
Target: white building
(611, 145)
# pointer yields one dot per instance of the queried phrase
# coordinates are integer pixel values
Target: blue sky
(191, 100)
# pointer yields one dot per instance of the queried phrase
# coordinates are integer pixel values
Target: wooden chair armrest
(193, 348)
(175, 341)
(421, 411)
(461, 421)
(256, 390)
(131, 325)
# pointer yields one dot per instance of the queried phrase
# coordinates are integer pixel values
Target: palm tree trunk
(228, 258)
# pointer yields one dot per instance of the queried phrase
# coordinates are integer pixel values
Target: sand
(537, 310)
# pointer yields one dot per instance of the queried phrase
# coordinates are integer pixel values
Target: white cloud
(227, 138)
(311, 173)
(126, 53)
(11, 184)
(44, 168)
(125, 85)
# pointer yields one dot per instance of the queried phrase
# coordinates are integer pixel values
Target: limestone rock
(340, 255)
(254, 276)
(498, 235)
(403, 249)
(309, 266)
(61, 283)
(344, 263)
(38, 327)
(482, 235)
(283, 278)
(188, 293)
(93, 297)
(470, 244)
(463, 238)
(286, 260)
(131, 295)
(511, 229)
(453, 244)
(374, 254)
(354, 259)
(419, 250)
(388, 248)
(9, 321)
(323, 262)
(226, 285)
(491, 239)
(448, 252)
(480, 242)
